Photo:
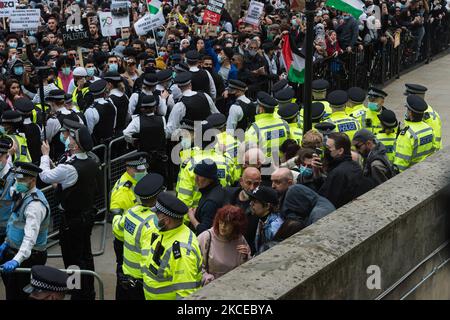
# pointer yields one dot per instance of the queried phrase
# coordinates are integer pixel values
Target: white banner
(149, 22)
(106, 24)
(7, 7)
(24, 20)
(254, 12)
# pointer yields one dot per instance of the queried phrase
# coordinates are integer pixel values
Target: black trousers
(15, 282)
(118, 250)
(75, 241)
(129, 291)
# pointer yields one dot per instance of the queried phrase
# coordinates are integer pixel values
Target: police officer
(416, 140)
(201, 79)
(56, 100)
(118, 98)
(431, 117)
(282, 84)
(193, 106)
(344, 123)
(284, 97)
(319, 93)
(388, 135)
(26, 234)
(355, 105)
(139, 223)
(267, 130)
(148, 87)
(176, 91)
(101, 115)
(80, 95)
(13, 124)
(6, 182)
(162, 88)
(72, 108)
(78, 180)
(31, 130)
(146, 125)
(375, 105)
(317, 112)
(242, 111)
(47, 283)
(290, 113)
(123, 198)
(175, 253)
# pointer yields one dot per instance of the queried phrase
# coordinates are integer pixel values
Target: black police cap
(416, 104)
(45, 278)
(337, 98)
(11, 116)
(216, 120)
(318, 110)
(266, 100)
(388, 118)
(264, 194)
(356, 94)
(182, 67)
(98, 87)
(237, 85)
(148, 101)
(149, 186)
(171, 206)
(176, 57)
(28, 169)
(183, 79)
(23, 105)
(288, 111)
(412, 88)
(325, 127)
(68, 98)
(136, 159)
(84, 139)
(56, 95)
(70, 125)
(150, 79)
(375, 92)
(283, 83)
(112, 76)
(192, 56)
(320, 85)
(285, 95)
(164, 75)
(6, 143)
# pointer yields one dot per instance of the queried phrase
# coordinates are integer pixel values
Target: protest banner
(75, 32)
(25, 20)
(120, 15)
(254, 12)
(106, 24)
(213, 12)
(7, 7)
(148, 22)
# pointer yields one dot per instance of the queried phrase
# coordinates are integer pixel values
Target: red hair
(234, 216)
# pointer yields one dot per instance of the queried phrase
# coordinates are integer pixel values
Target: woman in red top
(13, 91)
(333, 48)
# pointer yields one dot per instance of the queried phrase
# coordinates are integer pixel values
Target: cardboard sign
(213, 11)
(120, 15)
(75, 31)
(106, 24)
(254, 12)
(148, 22)
(7, 7)
(25, 20)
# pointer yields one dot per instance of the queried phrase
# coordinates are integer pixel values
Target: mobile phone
(319, 152)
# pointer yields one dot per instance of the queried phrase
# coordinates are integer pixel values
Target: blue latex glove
(10, 266)
(3, 247)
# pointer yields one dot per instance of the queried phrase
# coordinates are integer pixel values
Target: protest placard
(75, 32)
(254, 12)
(213, 12)
(106, 24)
(120, 15)
(7, 7)
(148, 22)
(24, 20)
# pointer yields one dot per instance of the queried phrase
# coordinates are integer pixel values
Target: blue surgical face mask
(139, 175)
(113, 67)
(22, 187)
(2, 166)
(12, 44)
(294, 22)
(160, 34)
(162, 54)
(306, 171)
(64, 141)
(373, 106)
(65, 71)
(90, 72)
(220, 59)
(18, 71)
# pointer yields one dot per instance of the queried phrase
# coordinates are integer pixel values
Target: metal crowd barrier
(101, 290)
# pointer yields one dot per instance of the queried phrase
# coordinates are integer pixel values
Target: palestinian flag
(354, 7)
(294, 61)
(153, 6)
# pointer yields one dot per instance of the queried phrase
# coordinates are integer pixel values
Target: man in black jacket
(345, 180)
(212, 199)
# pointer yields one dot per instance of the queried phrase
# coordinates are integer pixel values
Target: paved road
(433, 75)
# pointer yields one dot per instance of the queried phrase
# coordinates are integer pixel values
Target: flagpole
(307, 113)
(156, 42)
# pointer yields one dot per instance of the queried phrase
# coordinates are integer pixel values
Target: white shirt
(64, 174)
(212, 86)
(135, 126)
(92, 116)
(47, 89)
(53, 125)
(179, 111)
(161, 110)
(34, 214)
(235, 114)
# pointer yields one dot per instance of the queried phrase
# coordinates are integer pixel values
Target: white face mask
(185, 143)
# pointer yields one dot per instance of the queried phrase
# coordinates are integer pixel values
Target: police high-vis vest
(75, 95)
(433, 119)
(174, 271)
(186, 188)
(356, 111)
(295, 133)
(16, 224)
(6, 203)
(414, 144)
(122, 198)
(369, 120)
(22, 154)
(328, 110)
(344, 123)
(138, 222)
(388, 139)
(269, 132)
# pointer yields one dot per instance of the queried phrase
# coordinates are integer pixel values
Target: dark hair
(341, 140)
(233, 215)
(304, 153)
(290, 148)
(416, 117)
(287, 229)
(8, 84)
(207, 57)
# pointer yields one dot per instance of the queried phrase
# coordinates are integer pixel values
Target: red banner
(213, 12)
